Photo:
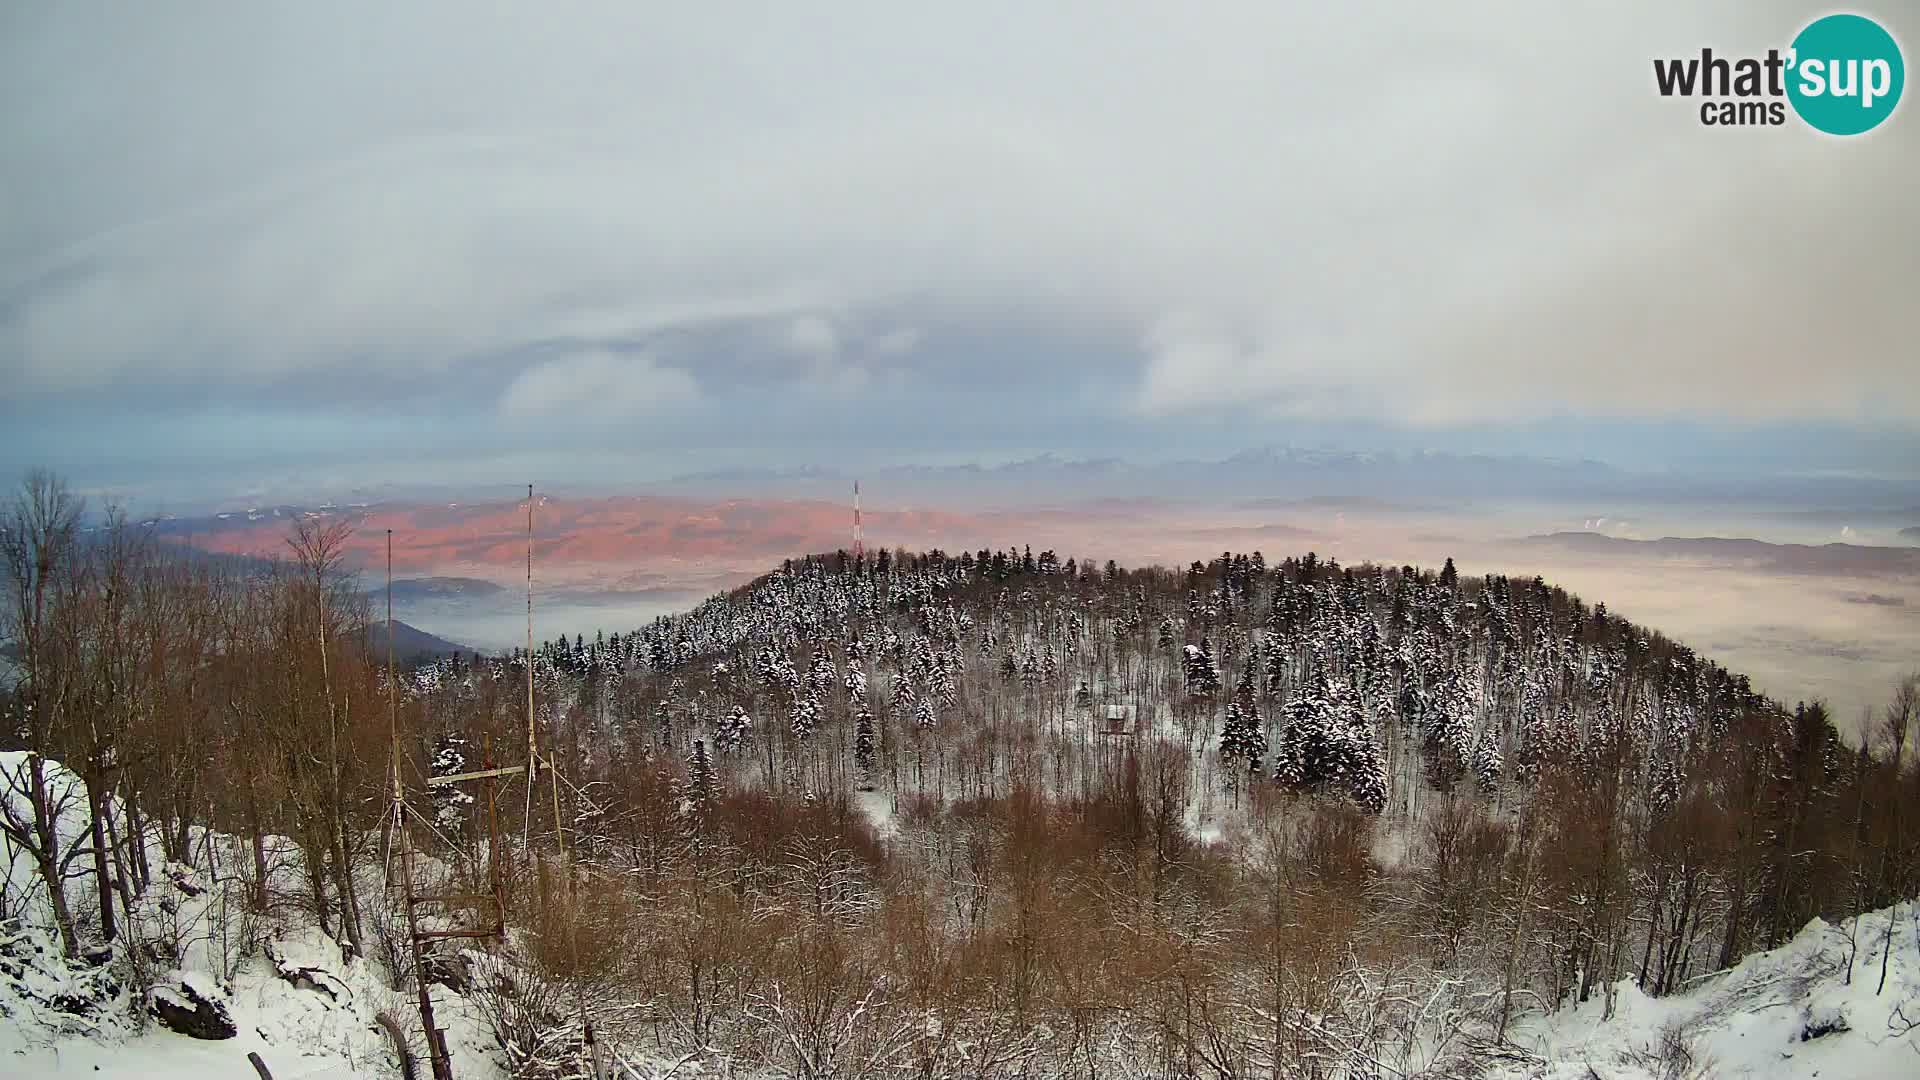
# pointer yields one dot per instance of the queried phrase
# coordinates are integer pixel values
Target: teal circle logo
(1845, 74)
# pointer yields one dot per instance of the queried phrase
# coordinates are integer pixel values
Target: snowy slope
(323, 1031)
(288, 991)
(1787, 1013)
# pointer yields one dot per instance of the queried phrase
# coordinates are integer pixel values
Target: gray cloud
(1426, 216)
(598, 386)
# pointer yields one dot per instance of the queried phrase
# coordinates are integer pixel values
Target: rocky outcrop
(182, 1009)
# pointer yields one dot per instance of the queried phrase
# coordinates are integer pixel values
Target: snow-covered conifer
(732, 730)
(805, 716)
(863, 746)
(450, 804)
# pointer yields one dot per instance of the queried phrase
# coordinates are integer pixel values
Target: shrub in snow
(1823, 1020)
(63, 996)
(181, 1008)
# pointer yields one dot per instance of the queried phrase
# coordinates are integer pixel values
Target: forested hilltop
(986, 814)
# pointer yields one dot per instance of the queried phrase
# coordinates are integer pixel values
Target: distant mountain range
(410, 643)
(410, 590)
(1294, 474)
(1831, 559)
(1363, 481)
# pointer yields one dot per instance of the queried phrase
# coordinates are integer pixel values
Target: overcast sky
(445, 240)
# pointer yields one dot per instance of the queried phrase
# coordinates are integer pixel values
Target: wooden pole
(533, 750)
(533, 755)
(393, 722)
(493, 841)
(436, 1048)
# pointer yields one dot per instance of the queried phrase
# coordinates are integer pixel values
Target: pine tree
(820, 675)
(863, 744)
(1533, 725)
(1487, 762)
(1327, 744)
(702, 785)
(663, 724)
(1203, 677)
(805, 715)
(1241, 737)
(1366, 769)
(1279, 654)
(1253, 739)
(449, 802)
(945, 689)
(732, 730)
(1231, 739)
(1306, 758)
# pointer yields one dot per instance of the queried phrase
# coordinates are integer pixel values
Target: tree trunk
(1730, 944)
(254, 825)
(137, 862)
(1525, 907)
(46, 854)
(317, 883)
(1885, 951)
(57, 897)
(120, 875)
(102, 877)
(1653, 927)
(349, 898)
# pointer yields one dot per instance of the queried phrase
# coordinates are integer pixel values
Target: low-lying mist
(1804, 619)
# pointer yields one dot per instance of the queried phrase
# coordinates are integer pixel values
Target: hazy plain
(1805, 620)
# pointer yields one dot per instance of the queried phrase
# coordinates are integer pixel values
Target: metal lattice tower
(493, 900)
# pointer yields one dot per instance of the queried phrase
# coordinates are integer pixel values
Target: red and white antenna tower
(859, 545)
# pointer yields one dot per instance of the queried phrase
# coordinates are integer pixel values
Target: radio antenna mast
(532, 751)
(420, 939)
(437, 1057)
(533, 746)
(859, 543)
(559, 826)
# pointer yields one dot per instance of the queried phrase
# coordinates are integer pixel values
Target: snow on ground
(288, 990)
(1790, 1012)
(298, 1033)
(310, 1013)
(878, 806)
(290, 994)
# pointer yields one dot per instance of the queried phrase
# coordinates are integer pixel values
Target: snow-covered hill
(1814, 1007)
(1331, 823)
(1790, 1012)
(294, 1002)
(194, 956)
